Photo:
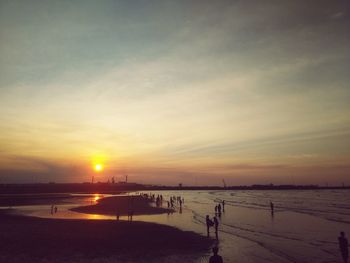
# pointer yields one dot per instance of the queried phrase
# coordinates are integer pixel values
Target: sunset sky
(172, 92)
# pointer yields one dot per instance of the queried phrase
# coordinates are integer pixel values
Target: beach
(33, 239)
(303, 228)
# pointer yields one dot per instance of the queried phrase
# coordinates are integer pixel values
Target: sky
(169, 92)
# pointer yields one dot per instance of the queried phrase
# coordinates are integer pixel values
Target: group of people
(178, 200)
(219, 207)
(212, 223)
(215, 222)
(158, 199)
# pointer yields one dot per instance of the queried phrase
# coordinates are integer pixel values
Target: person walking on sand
(343, 246)
(216, 225)
(209, 223)
(215, 258)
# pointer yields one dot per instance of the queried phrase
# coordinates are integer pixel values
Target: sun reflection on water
(97, 197)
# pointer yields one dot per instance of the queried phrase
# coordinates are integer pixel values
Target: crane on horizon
(223, 180)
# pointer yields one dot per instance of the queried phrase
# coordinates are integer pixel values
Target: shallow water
(304, 227)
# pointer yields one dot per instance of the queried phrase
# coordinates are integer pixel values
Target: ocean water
(303, 228)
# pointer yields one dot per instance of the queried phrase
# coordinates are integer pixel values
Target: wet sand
(122, 204)
(29, 239)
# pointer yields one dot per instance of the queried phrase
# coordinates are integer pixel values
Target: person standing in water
(272, 207)
(215, 258)
(219, 210)
(117, 215)
(223, 205)
(343, 246)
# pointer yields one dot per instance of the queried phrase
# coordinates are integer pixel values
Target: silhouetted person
(158, 201)
(215, 258)
(209, 223)
(55, 209)
(343, 246)
(223, 205)
(216, 209)
(117, 215)
(219, 210)
(216, 225)
(272, 207)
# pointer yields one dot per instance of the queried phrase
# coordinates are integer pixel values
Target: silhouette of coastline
(113, 188)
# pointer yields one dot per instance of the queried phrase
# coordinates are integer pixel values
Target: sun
(98, 167)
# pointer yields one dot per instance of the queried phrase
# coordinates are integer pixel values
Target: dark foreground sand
(29, 239)
(122, 204)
